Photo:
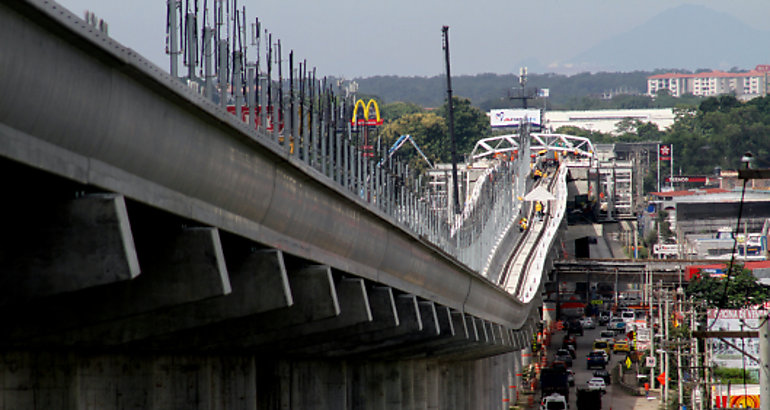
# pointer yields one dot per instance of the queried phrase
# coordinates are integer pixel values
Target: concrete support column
(517, 375)
(420, 385)
(375, 389)
(407, 373)
(392, 385)
(433, 389)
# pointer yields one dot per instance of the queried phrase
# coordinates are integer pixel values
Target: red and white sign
(762, 68)
(737, 313)
(683, 178)
(665, 152)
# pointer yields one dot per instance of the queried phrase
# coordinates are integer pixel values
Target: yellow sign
(366, 121)
(628, 362)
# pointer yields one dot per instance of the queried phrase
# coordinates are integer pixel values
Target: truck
(554, 380)
(588, 399)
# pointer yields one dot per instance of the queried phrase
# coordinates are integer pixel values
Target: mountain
(686, 37)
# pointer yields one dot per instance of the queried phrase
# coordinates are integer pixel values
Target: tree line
(712, 134)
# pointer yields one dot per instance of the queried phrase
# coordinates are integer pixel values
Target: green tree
(739, 291)
(398, 109)
(471, 124)
(428, 131)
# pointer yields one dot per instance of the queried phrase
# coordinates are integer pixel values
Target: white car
(597, 383)
(554, 402)
(588, 323)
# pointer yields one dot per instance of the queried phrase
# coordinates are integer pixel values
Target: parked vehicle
(595, 359)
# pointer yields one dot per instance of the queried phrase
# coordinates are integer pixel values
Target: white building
(605, 121)
(742, 85)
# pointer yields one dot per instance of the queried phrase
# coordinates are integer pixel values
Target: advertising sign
(735, 320)
(514, 117)
(366, 108)
(684, 178)
(665, 152)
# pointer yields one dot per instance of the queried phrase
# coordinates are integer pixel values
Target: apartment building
(743, 85)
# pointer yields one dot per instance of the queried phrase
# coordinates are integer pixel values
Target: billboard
(726, 355)
(513, 117)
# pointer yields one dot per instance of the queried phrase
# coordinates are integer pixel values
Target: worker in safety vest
(523, 224)
(539, 210)
(538, 174)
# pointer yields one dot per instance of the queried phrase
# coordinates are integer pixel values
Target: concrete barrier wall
(241, 381)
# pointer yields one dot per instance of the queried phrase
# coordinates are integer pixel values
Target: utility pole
(664, 344)
(652, 333)
(679, 370)
(450, 109)
(764, 363)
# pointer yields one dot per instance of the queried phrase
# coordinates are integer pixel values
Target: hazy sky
(362, 38)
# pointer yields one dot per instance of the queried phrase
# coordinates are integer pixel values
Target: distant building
(742, 85)
(605, 121)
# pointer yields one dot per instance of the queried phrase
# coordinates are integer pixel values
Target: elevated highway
(173, 256)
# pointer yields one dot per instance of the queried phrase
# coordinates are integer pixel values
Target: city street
(615, 398)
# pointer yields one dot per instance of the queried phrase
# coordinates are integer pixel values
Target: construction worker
(523, 224)
(538, 174)
(539, 210)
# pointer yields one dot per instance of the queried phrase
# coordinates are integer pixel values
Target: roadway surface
(616, 398)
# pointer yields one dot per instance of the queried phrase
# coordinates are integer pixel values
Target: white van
(628, 316)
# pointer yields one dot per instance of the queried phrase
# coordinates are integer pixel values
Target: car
(566, 353)
(571, 350)
(604, 318)
(608, 336)
(616, 324)
(621, 345)
(588, 323)
(569, 340)
(601, 344)
(604, 374)
(575, 328)
(596, 359)
(559, 365)
(605, 354)
(555, 401)
(563, 356)
(597, 383)
(570, 377)
(628, 316)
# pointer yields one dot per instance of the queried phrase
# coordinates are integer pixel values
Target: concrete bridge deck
(156, 242)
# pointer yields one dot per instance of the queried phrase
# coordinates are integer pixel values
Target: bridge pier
(115, 380)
